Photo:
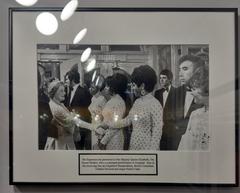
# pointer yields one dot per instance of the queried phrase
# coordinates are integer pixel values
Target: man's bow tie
(166, 89)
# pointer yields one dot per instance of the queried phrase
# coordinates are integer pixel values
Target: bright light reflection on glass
(94, 75)
(46, 23)
(69, 10)
(135, 117)
(97, 118)
(91, 65)
(116, 118)
(86, 54)
(97, 80)
(26, 3)
(80, 36)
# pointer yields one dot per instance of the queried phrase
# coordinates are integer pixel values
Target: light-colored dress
(197, 133)
(114, 110)
(146, 119)
(63, 120)
(95, 108)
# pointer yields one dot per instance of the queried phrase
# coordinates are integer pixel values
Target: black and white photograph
(123, 97)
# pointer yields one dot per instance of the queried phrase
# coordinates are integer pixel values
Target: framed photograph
(149, 95)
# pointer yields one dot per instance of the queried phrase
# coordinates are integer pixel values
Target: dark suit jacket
(169, 118)
(181, 121)
(80, 103)
(46, 128)
(169, 108)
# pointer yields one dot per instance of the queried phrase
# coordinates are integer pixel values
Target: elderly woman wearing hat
(63, 120)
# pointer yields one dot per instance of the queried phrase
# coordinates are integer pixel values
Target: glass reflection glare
(86, 54)
(46, 23)
(94, 75)
(80, 36)
(26, 3)
(91, 64)
(69, 10)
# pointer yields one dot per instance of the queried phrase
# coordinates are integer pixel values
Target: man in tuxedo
(167, 97)
(184, 99)
(78, 100)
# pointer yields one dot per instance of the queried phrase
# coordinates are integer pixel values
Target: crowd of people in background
(122, 113)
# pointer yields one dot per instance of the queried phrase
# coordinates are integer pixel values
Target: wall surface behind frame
(4, 123)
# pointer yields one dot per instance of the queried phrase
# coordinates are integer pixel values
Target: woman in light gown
(97, 104)
(63, 120)
(98, 100)
(114, 109)
(145, 115)
(197, 134)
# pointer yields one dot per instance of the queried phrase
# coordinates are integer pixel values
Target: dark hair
(107, 80)
(74, 76)
(200, 79)
(167, 73)
(144, 74)
(117, 83)
(197, 61)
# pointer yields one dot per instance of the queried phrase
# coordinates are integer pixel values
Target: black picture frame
(12, 166)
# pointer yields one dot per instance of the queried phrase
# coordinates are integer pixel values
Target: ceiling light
(86, 54)
(46, 23)
(69, 10)
(80, 36)
(26, 2)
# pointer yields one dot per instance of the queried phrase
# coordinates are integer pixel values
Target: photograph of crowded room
(123, 97)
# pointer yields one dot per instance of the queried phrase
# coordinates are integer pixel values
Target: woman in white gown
(197, 134)
(98, 99)
(97, 105)
(114, 109)
(145, 115)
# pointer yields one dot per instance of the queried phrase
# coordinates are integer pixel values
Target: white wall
(4, 122)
